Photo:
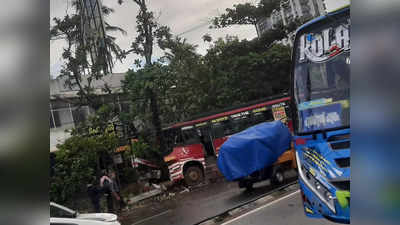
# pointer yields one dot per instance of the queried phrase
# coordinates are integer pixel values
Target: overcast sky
(186, 17)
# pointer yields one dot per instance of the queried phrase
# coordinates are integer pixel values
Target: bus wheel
(193, 175)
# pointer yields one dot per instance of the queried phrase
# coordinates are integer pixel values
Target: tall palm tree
(73, 25)
(78, 67)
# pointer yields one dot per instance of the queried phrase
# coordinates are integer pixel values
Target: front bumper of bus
(321, 202)
(314, 207)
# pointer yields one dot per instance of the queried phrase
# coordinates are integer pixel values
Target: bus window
(263, 116)
(190, 136)
(220, 129)
(239, 124)
(179, 138)
(169, 139)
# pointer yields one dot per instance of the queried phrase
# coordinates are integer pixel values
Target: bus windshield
(322, 78)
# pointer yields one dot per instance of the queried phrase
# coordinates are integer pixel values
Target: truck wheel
(246, 184)
(193, 175)
(278, 177)
(249, 186)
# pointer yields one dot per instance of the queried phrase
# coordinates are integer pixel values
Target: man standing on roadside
(117, 190)
(94, 193)
(107, 186)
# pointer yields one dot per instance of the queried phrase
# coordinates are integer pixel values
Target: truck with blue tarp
(258, 153)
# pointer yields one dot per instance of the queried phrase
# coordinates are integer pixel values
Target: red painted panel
(189, 151)
(218, 142)
(188, 123)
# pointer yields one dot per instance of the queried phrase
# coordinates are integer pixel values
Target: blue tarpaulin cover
(253, 149)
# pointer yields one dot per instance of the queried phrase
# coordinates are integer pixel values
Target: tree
(242, 71)
(140, 86)
(149, 32)
(77, 162)
(186, 68)
(78, 69)
(245, 14)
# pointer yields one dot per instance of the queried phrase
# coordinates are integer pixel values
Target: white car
(61, 215)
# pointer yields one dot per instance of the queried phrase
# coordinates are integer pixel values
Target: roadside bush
(143, 150)
(129, 175)
(77, 164)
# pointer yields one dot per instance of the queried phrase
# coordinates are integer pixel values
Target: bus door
(220, 129)
(206, 139)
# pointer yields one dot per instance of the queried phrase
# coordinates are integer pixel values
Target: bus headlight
(328, 195)
(169, 158)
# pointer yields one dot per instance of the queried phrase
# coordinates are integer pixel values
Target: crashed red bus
(192, 143)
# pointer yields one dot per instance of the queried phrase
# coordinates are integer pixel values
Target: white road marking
(151, 217)
(259, 208)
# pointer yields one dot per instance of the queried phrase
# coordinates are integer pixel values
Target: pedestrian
(107, 188)
(117, 190)
(94, 193)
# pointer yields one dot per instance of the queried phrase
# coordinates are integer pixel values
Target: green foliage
(78, 70)
(129, 175)
(148, 83)
(76, 163)
(241, 71)
(77, 159)
(245, 14)
(137, 85)
(143, 150)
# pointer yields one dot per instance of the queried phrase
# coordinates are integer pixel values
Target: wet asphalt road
(198, 205)
(287, 210)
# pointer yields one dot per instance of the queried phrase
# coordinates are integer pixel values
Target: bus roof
(315, 20)
(232, 110)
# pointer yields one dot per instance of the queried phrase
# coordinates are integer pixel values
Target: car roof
(62, 207)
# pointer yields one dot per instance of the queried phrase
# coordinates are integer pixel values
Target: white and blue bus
(320, 93)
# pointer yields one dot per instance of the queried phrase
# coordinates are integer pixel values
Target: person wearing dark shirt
(94, 193)
(117, 190)
(108, 190)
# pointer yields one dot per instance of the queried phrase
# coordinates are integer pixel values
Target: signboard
(321, 118)
(117, 159)
(122, 148)
(320, 46)
(279, 112)
(220, 119)
(260, 109)
(187, 128)
(201, 124)
(240, 115)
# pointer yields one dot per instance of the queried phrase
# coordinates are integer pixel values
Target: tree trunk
(156, 118)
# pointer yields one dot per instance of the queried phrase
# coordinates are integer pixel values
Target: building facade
(290, 10)
(65, 112)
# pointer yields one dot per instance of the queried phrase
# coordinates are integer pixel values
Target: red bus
(190, 143)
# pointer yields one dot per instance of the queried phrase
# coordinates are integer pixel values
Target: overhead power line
(195, 28)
